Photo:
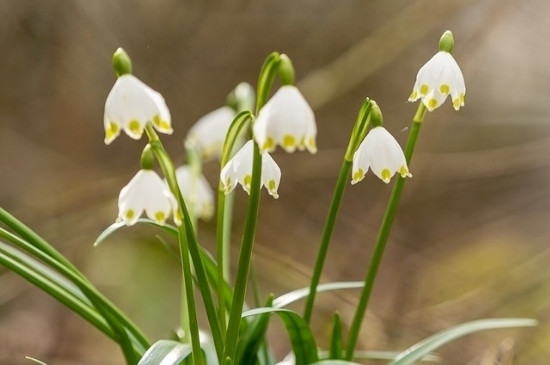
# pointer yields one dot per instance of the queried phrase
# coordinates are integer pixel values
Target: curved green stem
(245, 255)
(224, 213)
(383, 235)
(265, 80)
(189, 246)
(359, 130)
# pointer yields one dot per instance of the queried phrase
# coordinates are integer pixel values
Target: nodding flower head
(286, 120)
(439, 78)
(239, 171)
(130, 106)
(381, 153)
(208, 133)
(147, 192)
(196, 192)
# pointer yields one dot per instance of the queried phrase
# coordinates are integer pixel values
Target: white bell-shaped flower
(286, 120)
(380, 152)
(196, 192)
(239, 170)
(208, 133)
(130, 106)
(437, 79)
(147, 192)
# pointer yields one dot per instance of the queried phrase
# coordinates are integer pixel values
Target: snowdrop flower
(286, 119)
(130, 106)
(380, 152)
(439, 78)
(239, 170)
(146, 192)
(196, 192)
(208, 133)
(288, 360)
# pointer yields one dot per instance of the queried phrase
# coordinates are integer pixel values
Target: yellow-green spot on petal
(312, 145)
(289, 141)
(247, 181)
(404, 171)
(413, 96)
(386, 175)
(432, 103)
(424, 89)
(271, 186)
(135, 127)
(456, 103)
(358, 175)
(161, 124)
(269, 144)
(444, 89)
(160, 217)
(461, 98)
(130, 214)
(178, 216)
(111, 131)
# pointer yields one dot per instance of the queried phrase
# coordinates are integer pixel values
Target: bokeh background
(471, 239)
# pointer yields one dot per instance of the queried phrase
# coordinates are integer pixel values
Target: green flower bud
(286, 70)
(147, 158)
(447, 42)
(376, 115)
(122, 63)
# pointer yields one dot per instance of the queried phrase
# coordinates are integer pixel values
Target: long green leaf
(298, 294)
(299, 333)
(251, 338)
(166, 352)
(418, 351)
(52, 283)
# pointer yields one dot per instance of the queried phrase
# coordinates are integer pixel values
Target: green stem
(222, 253)
(188, 243)
(383, 235)
(357, 135)
(243, 267)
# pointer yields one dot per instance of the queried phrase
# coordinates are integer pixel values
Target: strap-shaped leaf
(418, 351)
(166, 352)
(299, 333)
(298, 294)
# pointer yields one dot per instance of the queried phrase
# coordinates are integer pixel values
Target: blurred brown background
(471, 237)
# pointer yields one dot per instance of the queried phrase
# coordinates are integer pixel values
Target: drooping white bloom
(208, 133)
(380, 152)
(196, 191)
(146, 192)
(288, 360)
(239, 170)
(437, 79)
(286, 120)
(130, 106)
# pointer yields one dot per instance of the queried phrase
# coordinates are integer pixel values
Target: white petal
(239, 170)
(132, 200)
(146, 191)
(209, 132)
(380, 152)
(196, 192)
(439, 77)
(131, 104)
(285, 120)
(271, 175)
